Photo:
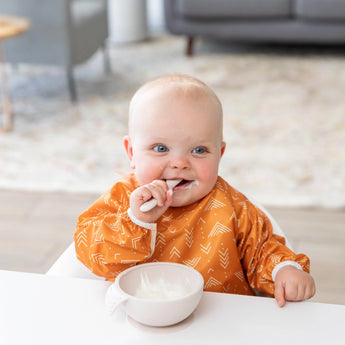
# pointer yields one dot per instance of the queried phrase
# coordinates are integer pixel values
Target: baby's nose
(180, 162)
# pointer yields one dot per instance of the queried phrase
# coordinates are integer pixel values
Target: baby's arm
(107, 240)
(263, 252)
(293, 284)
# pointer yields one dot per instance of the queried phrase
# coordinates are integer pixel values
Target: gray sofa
(280, 21)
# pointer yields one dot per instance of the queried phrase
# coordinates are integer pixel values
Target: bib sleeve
(261, 250)
(107, 241)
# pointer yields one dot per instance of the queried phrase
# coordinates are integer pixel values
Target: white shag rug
(284, 118)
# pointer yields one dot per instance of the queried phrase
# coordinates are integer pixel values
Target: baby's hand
(157, 189)
(292, 284)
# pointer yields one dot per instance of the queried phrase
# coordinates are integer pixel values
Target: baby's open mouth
(182, 185)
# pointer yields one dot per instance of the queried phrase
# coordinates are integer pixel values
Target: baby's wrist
(135, 220)
(284, 264)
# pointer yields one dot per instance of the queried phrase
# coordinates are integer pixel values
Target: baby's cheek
(208, 173)
(148, 172)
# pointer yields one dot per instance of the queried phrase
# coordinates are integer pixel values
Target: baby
(175, 133)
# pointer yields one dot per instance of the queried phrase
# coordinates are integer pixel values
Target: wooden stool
(9, 26)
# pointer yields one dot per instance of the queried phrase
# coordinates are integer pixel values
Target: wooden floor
(35, 228)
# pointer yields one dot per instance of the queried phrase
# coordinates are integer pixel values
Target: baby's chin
(183, 202)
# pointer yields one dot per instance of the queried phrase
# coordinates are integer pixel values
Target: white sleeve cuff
(283, 264)
(135, 220)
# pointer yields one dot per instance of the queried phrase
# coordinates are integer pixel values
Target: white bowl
(158, 293)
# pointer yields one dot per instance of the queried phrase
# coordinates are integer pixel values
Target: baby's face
(177, 137)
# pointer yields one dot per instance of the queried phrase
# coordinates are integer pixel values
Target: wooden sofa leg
(71, 85)
(106, 59)
(190, 43)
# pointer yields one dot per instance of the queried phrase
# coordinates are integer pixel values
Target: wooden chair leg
(190, 44)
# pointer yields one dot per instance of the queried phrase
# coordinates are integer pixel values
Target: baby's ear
(129, 150)
(222, 148)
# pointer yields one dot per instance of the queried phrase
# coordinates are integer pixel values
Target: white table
(39, 309)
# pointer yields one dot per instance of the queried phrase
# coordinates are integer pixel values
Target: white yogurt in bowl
(157, 294)
(160, 289)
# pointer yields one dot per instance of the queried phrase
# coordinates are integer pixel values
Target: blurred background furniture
(9, 27)
(63, 32)
(127, 21)
(280, 21)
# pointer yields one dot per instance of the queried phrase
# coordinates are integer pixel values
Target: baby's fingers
(309, 290)
(279, 293)
(158, 191)
(293, 284)
(300, 290)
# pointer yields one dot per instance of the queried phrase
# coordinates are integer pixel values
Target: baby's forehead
(174, 89)
(166, 92)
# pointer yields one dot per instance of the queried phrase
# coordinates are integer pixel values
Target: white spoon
(149, 205)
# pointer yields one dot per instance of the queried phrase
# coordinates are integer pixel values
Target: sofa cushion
(320, 9)
(234, 8)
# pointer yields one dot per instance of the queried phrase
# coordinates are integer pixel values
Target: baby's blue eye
(199, 150)
(160, 148)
